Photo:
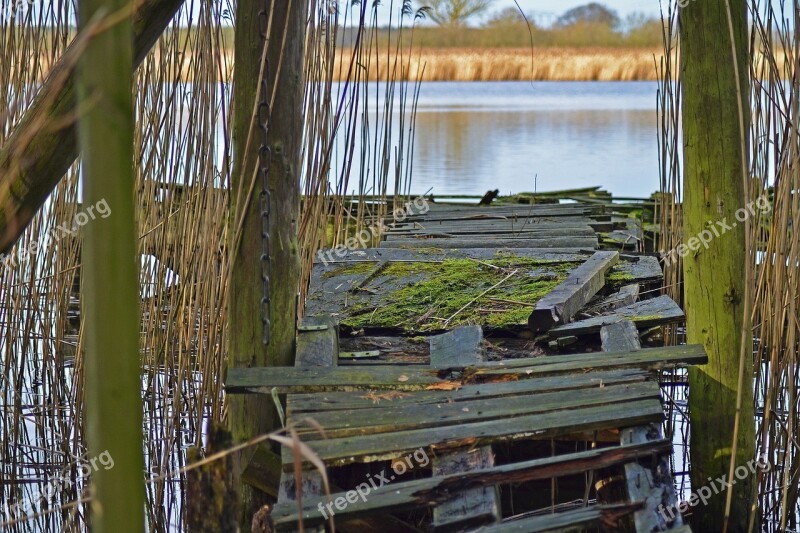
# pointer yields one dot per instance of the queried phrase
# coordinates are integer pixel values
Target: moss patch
(619, 276)
(351, 269)
(433, 292)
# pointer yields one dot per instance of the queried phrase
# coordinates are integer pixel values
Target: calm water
(514, 136)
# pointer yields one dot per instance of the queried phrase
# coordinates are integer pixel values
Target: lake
(523, 136)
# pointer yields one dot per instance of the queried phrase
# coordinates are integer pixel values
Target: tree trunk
(38, 153)
(110, 273)
(714, 277)
(251, 415)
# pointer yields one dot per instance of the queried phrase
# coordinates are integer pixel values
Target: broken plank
(620, 337)
(566, 521)
(370, 448)
(646, 313)
(459, 347)
(392, 377)
(474, 506)
(312, 403)
(392, 418)
(574, 243)
(626, 295)
(317, 347)
(561, 304)
(428, 491)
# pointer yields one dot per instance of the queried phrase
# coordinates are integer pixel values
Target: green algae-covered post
(110, 281)
(255, 415)
(714, 277)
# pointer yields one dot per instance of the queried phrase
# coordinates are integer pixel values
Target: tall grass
(182, 166)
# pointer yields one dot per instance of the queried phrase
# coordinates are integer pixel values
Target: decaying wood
(620, 337)
(475, 506)
(573, 293)
(430, 491)
(646, 313)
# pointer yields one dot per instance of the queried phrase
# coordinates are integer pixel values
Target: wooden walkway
(481, 371)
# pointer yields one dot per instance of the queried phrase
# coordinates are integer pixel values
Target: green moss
(433, 292)
(351, 269)
(619, 276)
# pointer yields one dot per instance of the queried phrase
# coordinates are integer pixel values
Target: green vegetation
(437, 291)
(351, 269)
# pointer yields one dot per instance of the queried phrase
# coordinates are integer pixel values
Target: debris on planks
(561, 304)
(646, 313)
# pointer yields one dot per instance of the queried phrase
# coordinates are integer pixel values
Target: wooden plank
(646, 313)
(316, 348)
(568, 521)
(368, 448)
(391, 418)
(527, 232)
(626, 295)
(460, 347)
(474, 506)
(313, 403)
(560, 305)
(427, 492)
(620, 337)
(391, 377)
(574, 243)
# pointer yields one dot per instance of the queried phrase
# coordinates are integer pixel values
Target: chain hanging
(264, 160)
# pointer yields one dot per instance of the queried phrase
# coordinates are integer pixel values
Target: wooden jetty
(482, 370)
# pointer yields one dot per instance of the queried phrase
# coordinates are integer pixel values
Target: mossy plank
(313, 403)
(392, 377)
(561, 304)
(646, 313)
(429, 491)
(368, 448)
(391, 418)
(520, 241)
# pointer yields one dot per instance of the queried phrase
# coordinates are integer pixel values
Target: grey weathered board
(474, 506)
(561, 304)
(398, 378)
(646, 313)
(502, 241)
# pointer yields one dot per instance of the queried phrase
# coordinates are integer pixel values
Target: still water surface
(514, 136)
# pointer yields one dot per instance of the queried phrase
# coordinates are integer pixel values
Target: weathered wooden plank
(497, 223)
(427, 492)
(620, 337)
(368, 448)
(567, 521)
(626, 295)
(643, 269)
(653, 486)
(573, 293)
(574, 243)
(392, 418)
(314, 403)
(318, 348)
(460, 347)
(646, 313)
(469, 507)
(391, 377)
(527, 232)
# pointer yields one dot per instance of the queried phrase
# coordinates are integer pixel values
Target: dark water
(521, 136)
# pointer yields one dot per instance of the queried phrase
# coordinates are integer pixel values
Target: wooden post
(714, 277)
(251, 415)
(110, 272)
(44, 143)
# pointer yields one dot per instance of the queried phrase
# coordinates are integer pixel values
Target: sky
(552, 8)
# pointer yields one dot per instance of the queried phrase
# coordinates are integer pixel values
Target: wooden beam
(646, 313)
(470, 507)
(563, 302)
(394, 377)
(38, 153)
